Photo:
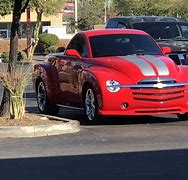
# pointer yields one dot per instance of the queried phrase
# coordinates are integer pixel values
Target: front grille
(159, 100)
(158, 95)
(155, 81)
(178, 58)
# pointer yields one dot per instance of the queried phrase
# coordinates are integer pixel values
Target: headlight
(113, 86)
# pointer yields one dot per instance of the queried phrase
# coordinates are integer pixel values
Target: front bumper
(146, 99)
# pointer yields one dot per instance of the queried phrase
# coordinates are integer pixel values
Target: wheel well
(38, 80)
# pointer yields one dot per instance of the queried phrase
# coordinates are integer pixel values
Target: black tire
(42, 101)
(183, 116)
(90, 106)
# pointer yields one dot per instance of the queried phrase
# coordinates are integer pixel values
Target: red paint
(65, 76)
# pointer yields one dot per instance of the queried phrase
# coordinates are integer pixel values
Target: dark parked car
(167, 31)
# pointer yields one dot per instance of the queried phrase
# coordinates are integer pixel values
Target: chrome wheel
(90, 104)
(41, 96)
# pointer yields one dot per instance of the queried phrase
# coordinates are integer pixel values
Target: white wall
(60, 32)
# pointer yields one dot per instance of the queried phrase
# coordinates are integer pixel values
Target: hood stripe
(161, 67)
(144, 66)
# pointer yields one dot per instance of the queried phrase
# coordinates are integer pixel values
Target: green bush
(47, 40)
(5, 56)
(21, 56)
(51, 49)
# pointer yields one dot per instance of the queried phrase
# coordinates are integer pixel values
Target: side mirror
(166, 50)
(72, 52)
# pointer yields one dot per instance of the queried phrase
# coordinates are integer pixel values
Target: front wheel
(90, 106)
(42, 100)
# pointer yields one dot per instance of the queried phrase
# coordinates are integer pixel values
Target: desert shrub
(15, 83)
(5, 57)
(21, 56)
(51, 49)
(47, 40)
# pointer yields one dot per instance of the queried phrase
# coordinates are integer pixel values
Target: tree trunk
(4, 108)
(17, 11)
(36, 34)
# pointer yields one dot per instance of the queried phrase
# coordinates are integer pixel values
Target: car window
(184, 30)
(121, 25)
(78, 43)
(112, 23)
(161, 31)
(122, 45)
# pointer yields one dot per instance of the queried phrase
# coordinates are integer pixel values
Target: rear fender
(48, 74)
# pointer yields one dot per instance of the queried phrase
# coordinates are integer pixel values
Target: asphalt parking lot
(149, 147)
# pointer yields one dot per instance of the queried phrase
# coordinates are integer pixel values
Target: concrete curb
(69, 126)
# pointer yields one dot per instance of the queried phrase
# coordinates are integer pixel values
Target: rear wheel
(42, 100)
(90, 106)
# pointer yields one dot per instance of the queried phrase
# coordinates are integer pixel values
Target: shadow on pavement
(30, 95)
(32, 110)
(156, 165)
(110, 120)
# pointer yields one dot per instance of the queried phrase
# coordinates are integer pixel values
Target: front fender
(97, 77)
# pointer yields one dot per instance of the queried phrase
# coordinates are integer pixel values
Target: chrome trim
(138, 86)
(156, 80)
(154, 86)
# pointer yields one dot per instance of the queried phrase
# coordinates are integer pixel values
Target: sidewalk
(67, 126)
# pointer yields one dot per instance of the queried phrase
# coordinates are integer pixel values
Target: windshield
(164, 30)
(122, 45)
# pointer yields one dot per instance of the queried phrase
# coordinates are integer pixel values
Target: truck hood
(138, 67)
(175, 45)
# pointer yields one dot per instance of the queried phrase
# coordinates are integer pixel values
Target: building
(47, 21)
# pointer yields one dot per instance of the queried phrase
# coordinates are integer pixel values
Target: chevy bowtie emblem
(159, 85)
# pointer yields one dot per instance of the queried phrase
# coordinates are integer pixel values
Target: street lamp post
(28, 22)
(105, 11)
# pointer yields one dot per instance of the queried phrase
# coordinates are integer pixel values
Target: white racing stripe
(144, 66)
(161, 67)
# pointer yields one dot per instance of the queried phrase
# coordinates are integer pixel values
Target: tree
(143, 7)
(123, 7)
(42, 7)
(90, 12)
(6, 7)
(179, 9)
(19, 8)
